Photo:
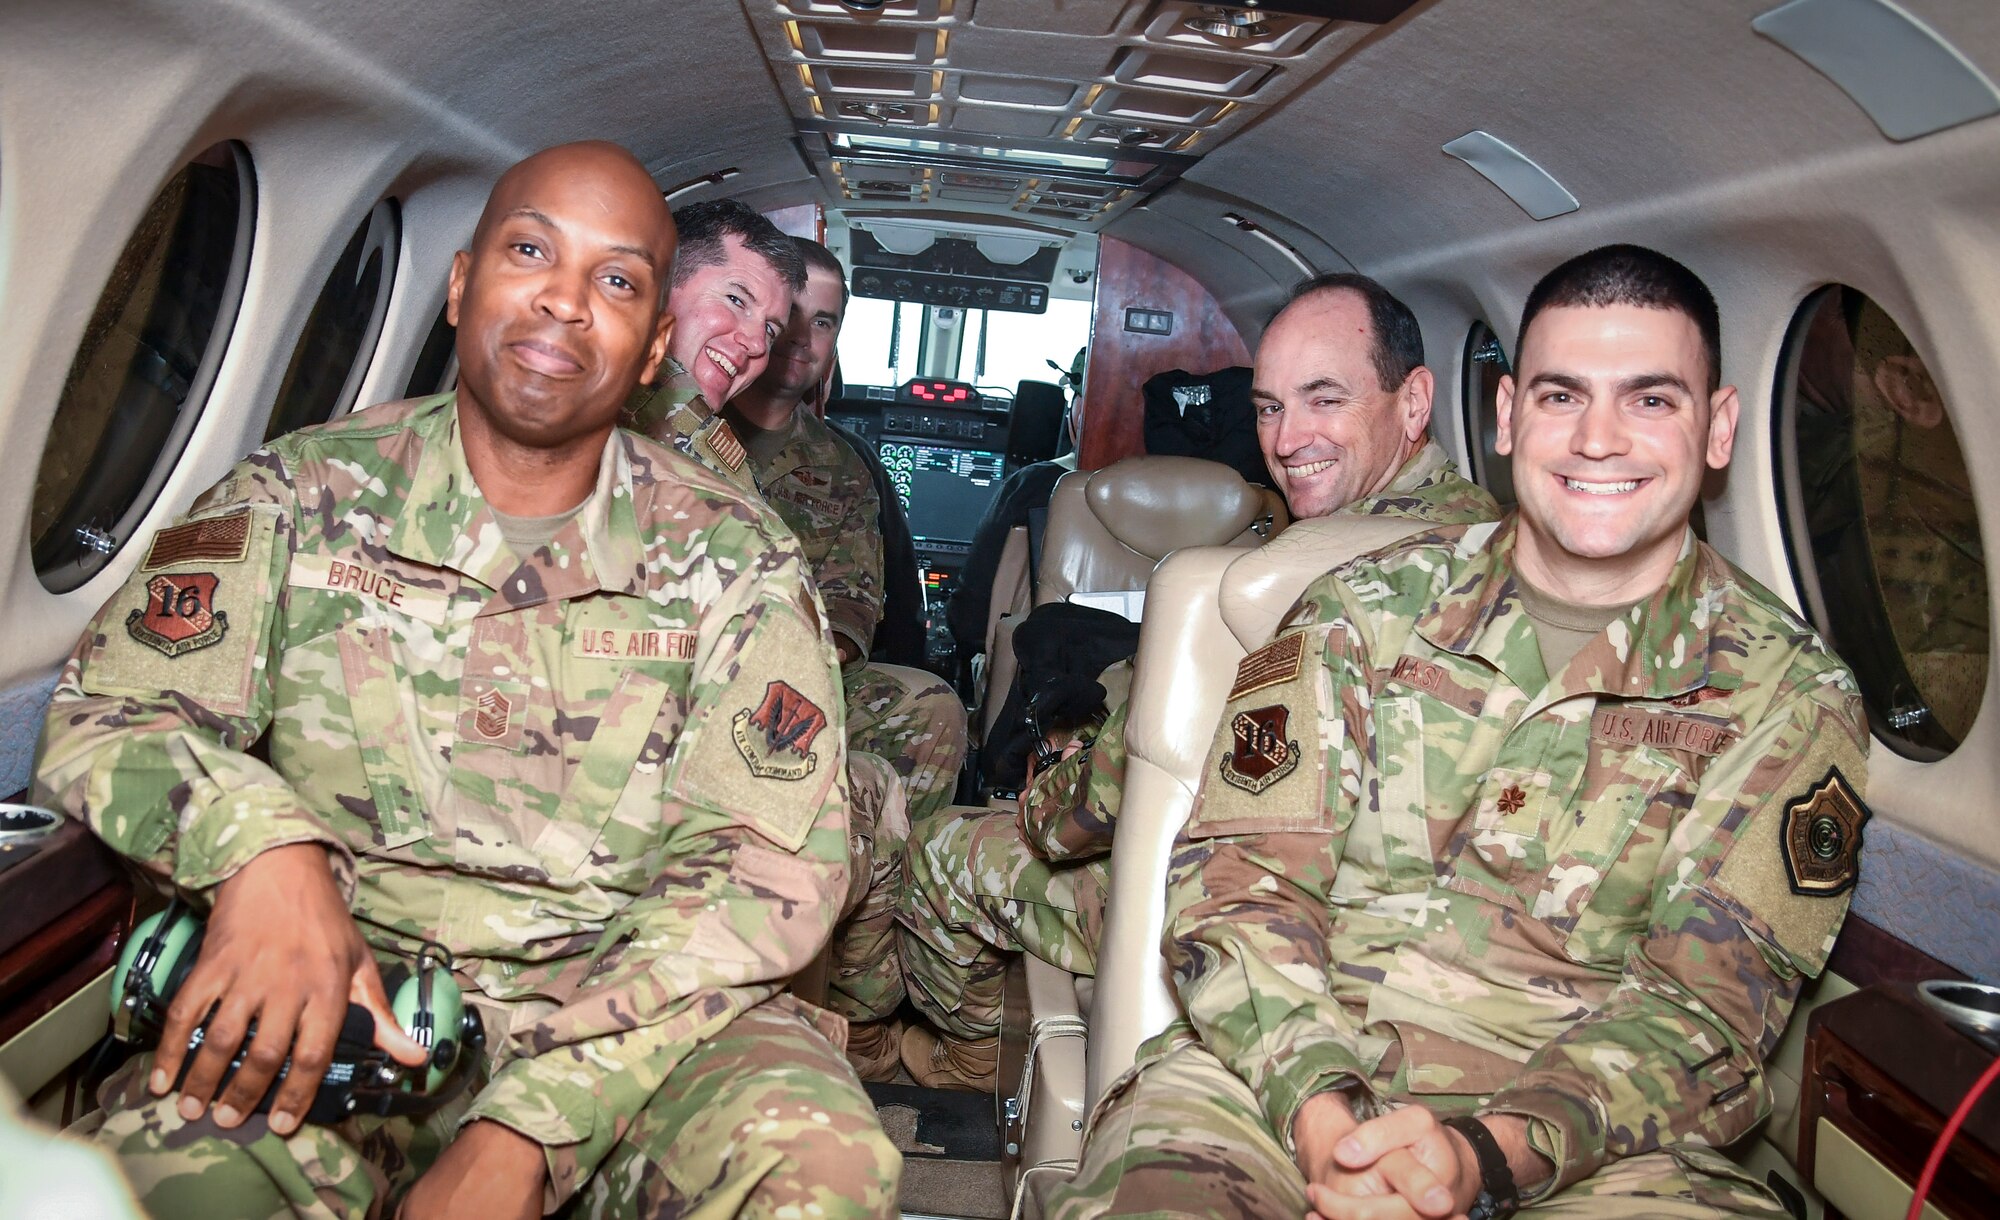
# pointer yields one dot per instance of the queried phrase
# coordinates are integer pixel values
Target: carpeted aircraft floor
(950, 1147)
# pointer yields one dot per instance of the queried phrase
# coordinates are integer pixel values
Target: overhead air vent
(1229, 24)
(1526, 183)
(1127, 135)
(1897, 69)
(886, 113)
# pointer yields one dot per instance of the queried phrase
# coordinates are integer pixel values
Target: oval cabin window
(1485, 364)
(141, 375)
(1883, 530)
(333, 354)
(436, 369)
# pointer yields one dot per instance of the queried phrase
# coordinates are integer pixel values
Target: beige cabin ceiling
(1327, 135)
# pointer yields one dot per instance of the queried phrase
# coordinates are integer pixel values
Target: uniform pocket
(1403, 796)
(1605, 852)
(616, 750)
(375, 685)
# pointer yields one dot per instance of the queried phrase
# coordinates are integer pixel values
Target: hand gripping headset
(362, 1079)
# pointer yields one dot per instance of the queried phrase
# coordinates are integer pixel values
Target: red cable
(1945, 1137)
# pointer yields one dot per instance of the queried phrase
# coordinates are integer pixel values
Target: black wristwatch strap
(1498, 1197)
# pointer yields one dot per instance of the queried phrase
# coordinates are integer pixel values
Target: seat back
(1206, 609)
(1108, 528)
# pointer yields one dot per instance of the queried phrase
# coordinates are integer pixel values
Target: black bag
(1059, 650)
(1205, 415)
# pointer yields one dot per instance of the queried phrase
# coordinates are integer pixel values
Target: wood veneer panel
(1866, 955)
(1120, 361)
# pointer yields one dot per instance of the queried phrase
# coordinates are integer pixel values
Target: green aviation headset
(362, 1079)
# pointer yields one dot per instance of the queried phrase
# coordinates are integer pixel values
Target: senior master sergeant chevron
(1515, 848)
(537, 689)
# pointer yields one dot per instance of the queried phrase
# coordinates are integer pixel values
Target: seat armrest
(1186, 663)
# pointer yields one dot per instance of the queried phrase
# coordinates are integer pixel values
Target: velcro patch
(1628, 726)
(1263, 753)
(1276, 662)
(314, 571)
(1436, 681)
(179, 615)
(224, 539)
(722, 443)
(776, 737)
(622, 644)
(491, 712)
(1822, 837)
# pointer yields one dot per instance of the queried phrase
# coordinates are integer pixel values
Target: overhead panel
(1902, 72)
(1058, 114)
(1513, 171)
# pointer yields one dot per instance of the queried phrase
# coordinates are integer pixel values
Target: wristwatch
(1498, 1198)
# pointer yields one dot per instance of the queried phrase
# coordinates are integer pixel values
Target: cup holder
(21, 822)
(1973, 1005)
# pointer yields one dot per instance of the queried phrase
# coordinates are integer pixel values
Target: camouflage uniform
(896, 717)
(673, 412)
(1588, 900)
(912, 718)
(983, 885)
(607, 777)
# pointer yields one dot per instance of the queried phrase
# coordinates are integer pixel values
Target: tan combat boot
(940, 1061)
(873, 1048)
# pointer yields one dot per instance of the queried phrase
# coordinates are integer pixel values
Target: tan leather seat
(1206, 609)
(1013, 597)
(1107, 531)
(1108, 528)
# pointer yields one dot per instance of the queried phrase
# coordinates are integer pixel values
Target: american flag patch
(723, 444)
(217, 539)
(1275, 662)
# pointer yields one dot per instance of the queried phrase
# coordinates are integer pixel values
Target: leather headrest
(1159, 504)
(1258, 588)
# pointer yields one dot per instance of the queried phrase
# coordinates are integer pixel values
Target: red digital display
(943, 393)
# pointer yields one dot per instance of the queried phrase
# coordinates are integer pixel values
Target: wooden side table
(1886, 1070)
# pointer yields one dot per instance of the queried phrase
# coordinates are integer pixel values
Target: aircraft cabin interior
(225, 220)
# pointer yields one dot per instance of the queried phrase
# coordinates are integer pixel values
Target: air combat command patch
(776, 739)
(180, 614)
(1822, 837)
(1262, 755)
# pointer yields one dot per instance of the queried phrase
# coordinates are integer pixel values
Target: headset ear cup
(157, 959)
(174, 969)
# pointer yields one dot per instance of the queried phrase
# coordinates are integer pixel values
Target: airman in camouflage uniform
(897, 717)
(673, 412)
(824, 491)
(906, 728)
(984, 885)
(1442, 866)
(603, 767)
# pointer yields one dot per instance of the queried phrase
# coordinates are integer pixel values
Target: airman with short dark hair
(1516, 845)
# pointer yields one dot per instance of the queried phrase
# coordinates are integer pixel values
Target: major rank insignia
(776, 738)
(1822, 837)
(1263, 754)
(180, 614)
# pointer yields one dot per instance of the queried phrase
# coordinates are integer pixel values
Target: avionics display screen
(944, 490)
